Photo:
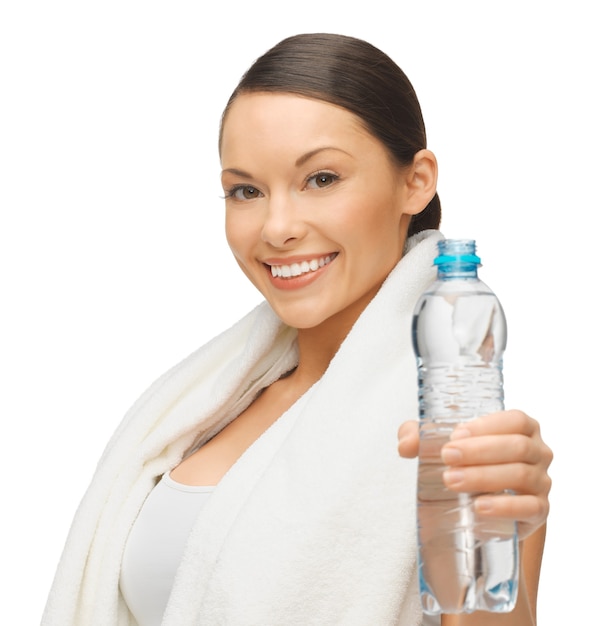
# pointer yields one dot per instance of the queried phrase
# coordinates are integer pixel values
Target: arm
(492, 454)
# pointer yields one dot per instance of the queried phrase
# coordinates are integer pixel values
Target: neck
(318, 345)
(316, 351)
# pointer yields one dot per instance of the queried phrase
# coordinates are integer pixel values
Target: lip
(306, 277)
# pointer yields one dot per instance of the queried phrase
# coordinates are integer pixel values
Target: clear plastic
(459, 335)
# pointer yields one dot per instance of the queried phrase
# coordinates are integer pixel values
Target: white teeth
(297, 269)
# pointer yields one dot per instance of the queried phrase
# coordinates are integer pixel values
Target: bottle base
(500, 599)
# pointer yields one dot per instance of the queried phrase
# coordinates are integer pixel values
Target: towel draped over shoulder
(314, 524)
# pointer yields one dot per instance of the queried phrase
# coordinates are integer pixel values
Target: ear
(421, 182)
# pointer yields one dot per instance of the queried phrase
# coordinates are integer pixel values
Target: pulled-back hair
(355, 75)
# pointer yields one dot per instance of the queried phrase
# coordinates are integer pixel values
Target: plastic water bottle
(459, 333)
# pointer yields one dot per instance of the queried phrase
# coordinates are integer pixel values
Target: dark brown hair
(357, 76)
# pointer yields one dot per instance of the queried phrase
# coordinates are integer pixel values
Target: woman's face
(315, 208)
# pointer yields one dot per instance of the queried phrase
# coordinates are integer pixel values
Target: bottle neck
(457, 258)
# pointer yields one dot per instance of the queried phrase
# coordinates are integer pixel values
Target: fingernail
(483, 505)
(453, 477)
(461, 432)
(451, 456)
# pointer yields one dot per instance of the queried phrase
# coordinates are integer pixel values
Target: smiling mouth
(297, 269)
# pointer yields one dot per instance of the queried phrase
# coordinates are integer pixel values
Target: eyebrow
(298, 163)
(309, 155)
(236, 172)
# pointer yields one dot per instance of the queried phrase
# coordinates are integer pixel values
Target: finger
(520, 478)
(503, 422)
(408, 440)
(522, 508)
(493, 449)
(529, 512)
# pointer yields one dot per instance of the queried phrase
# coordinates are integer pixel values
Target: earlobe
(422, 181)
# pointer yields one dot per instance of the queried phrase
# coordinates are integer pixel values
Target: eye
(320, 180)
(243, 192)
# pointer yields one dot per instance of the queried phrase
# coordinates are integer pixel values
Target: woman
(258, 482)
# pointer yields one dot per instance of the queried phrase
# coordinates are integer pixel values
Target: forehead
(269, 118)
(251, 102)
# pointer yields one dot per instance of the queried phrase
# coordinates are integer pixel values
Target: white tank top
(155, 547)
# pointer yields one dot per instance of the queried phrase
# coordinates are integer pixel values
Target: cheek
(236, 231)
(374, 218)
(237, 238)
(231, 238)
(378, 232)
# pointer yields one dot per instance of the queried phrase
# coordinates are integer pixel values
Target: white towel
(315, 524)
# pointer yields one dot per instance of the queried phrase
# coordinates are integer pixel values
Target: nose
(282, 222)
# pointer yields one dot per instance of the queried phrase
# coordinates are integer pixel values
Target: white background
(114, 265)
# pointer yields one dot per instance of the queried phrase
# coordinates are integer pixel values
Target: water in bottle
(459, 334)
